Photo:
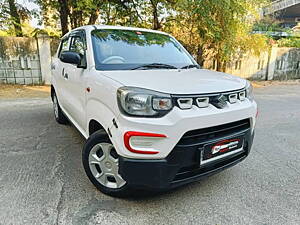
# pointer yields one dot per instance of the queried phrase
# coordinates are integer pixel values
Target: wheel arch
(94, 126)
(99, 116)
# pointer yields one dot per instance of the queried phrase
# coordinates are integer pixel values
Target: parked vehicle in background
(153, 119)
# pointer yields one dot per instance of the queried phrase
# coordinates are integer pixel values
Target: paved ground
(42, 180)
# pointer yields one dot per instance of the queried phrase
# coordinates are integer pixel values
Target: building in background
(287, 11)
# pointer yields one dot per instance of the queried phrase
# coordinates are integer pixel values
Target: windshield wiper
(155, 65)
(190, 66)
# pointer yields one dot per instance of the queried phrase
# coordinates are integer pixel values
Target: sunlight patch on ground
(24, 91)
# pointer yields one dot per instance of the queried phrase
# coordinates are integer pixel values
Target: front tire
(101, 164)
(58, 114)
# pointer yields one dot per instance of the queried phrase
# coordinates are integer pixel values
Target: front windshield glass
(127, 49)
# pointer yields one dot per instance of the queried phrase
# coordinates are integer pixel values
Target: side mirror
(70, 57)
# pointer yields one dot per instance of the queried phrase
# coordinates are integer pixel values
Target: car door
(57, 68)
(75, 77)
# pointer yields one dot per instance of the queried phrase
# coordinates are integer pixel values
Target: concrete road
(42, 180)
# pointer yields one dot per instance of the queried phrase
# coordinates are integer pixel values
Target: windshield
(127, 49)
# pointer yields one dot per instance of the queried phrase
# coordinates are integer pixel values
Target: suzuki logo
(220, 101)
(224, 146)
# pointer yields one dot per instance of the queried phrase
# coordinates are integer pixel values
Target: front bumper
(181, 166)
(175, 124)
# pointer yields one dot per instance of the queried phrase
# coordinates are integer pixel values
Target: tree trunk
(200, 56)
(15, 18)
(219, 62)
(224, 67)
(156, 23)
(80, 19)
(221, 65)
(94, 17)
(64, 13)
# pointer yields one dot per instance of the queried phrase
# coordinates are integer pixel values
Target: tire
(58, 114)
(100, 162)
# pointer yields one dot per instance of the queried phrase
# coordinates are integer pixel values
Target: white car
(153, 119)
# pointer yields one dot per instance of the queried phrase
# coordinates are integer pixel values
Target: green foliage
(4, 33)
(14, 46)
(217, 29)
(46, 31)
(12, 16)
(289, 42)
(130, 37)
(148, 13)
(269, 24)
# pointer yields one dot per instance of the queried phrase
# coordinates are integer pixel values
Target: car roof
(108, 27)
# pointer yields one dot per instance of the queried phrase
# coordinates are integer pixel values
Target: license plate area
(221, 149)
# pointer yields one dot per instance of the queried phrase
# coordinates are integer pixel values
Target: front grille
(186, 154)
(219, 100)
(205, 135)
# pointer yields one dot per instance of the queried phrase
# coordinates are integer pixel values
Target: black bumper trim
(182, 166)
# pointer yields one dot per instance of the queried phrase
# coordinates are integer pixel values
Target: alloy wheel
(104, 165)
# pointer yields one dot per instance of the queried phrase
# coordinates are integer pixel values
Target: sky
(30, 5)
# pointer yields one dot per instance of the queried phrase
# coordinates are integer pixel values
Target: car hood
(184, 81)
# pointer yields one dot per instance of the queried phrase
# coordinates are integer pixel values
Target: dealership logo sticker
(224, 146)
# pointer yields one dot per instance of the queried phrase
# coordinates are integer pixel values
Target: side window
(77, 45)
(64, 46)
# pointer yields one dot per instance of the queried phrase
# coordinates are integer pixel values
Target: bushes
(289, 42)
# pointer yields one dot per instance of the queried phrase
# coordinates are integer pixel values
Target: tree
(15, 18)
(53, 11)
(153, 13)
(75, 13)
(156, 23)
(64, 12)
(216, 29)
(12, 15)
(210, 30)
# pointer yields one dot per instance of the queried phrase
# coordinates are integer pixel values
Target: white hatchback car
(153, 119)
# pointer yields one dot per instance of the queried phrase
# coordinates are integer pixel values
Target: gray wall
(276, 64)
(26, 60)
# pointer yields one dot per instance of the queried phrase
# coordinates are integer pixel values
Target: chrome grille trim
(213, 97)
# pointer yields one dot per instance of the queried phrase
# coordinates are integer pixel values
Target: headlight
(249, 91)
(143, 102)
